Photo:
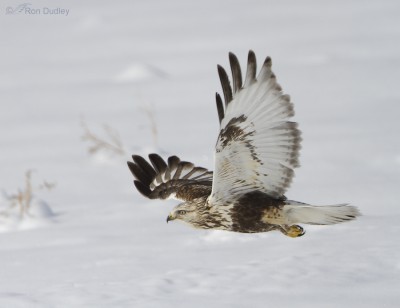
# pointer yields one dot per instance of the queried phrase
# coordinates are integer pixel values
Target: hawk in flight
(255, 154)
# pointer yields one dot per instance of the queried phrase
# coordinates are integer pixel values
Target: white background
(107, 246)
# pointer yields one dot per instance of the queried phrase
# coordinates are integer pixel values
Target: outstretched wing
(257, 147)
(176, 179)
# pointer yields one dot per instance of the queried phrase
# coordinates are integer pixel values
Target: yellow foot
(294, 231)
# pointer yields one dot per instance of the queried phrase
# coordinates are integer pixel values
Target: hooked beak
(170, 217)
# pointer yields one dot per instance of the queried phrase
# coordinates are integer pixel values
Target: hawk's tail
(320, 215)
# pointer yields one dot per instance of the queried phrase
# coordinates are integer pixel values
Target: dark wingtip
(251, 58)
(144, 165)
(268, 61)
(157, 162)
(136, 171)
(136, 157)
(173, 161)
(236, 72)
(130, 165)
(142, 170)
(251, 68)
(220, 107)
(226, 87)
(142, 188)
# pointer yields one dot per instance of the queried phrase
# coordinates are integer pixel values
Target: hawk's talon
(293, 231)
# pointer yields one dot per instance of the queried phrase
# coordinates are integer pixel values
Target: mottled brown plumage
(255, 154)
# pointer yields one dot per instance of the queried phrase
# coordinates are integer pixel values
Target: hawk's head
(198, 214)
(186, 211)
(194, 212)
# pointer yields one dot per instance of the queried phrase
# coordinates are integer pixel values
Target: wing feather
(257, 147)
(251, 69)
(176, 179)
(220, 107)
(226, 86)
(236, 72)
(158, 163)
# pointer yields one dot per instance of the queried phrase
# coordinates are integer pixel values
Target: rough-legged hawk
(256, 151)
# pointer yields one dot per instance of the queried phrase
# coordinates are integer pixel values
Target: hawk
(255, 154)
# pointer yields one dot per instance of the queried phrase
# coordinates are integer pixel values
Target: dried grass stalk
(112, 143)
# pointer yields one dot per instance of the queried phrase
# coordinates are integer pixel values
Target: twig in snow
(112, 143)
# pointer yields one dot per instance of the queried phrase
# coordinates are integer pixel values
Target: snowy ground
(105, 245)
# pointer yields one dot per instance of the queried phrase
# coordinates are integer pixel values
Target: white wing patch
(257, 147)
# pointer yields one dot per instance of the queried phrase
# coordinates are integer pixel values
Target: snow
(93, 241)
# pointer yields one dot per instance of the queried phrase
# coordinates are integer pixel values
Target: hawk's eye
(181, 212)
